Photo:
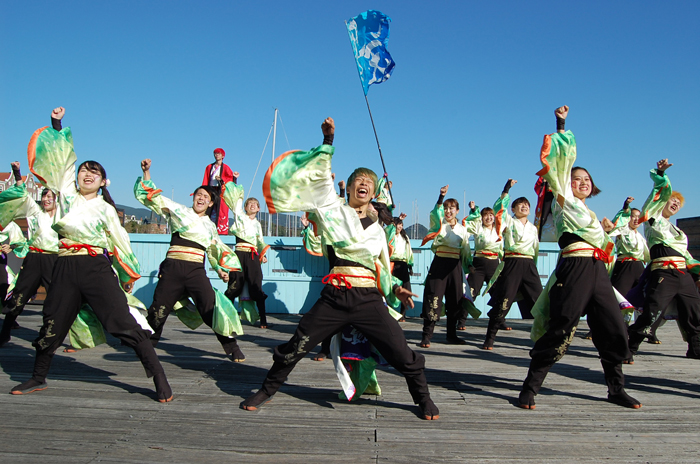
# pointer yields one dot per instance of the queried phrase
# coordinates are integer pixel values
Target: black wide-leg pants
(89, 279)
(401, 272)
(36, 270)
(582, 288)
(250, 273)
(445, 278)
(663, 286)
(178, 279)
(365, 310)
(482, 270)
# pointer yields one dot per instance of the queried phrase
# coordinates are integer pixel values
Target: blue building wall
(293, 277)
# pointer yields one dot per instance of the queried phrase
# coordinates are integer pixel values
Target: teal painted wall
(292, 277)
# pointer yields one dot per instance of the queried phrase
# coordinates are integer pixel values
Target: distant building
(691, 227)
(34, 188)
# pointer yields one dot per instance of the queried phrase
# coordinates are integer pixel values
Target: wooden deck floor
(100, 407)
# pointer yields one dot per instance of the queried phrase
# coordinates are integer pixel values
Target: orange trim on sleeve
(430, 237)
(262, 253)
(221, 262)
(133, 275)
(378, 268)
(31, 153)
(268, 177)
(544, 153)
(151, 191)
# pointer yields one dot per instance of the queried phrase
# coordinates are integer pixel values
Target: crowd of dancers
(77, 249)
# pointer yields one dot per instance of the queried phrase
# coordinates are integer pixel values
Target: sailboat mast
(274, 142)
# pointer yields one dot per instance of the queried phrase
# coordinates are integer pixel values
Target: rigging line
(258, 167)
(289, 147)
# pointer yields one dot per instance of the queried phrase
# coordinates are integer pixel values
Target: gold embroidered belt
(515, 254)
(350, 276)
(70, 248)
(486, 255)
(584, 250)
(447, 252)
(669, 262)
(183, 253)
(247, 247)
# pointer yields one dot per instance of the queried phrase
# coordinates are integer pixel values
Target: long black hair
(398, 221)
(383, 213)
(94, 166)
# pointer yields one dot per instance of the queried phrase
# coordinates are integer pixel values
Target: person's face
(488, 219)
(521, 210)
(201, 202)
(451, 212)
(634, 219)
(360, 191)
(581, 184)
(252, 207)
(399, 227)
(672, 207)
(89, 181)
(218, 157)
(48, 201)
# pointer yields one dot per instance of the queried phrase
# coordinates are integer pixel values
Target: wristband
(18, 176)
(561, 123)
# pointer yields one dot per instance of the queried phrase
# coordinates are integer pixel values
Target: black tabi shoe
(255, 402)
(526, 400)
(30, 386)
(163, 390)
(428, 410)
(624, 400)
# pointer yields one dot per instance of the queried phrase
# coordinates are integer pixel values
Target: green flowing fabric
(301, 181)
(249, 311)
(244, 227)
(363, 376)
(662, 232)
(86, 331)
(225, 321)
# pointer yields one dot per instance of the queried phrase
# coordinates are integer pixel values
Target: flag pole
(380, 152)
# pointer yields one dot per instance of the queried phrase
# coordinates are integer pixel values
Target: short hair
(679, 196)
(451, 202)
(46, 191)
(486, 211)
(520, 200)
(221, 151)
(364, 172)
(594, 190)
(637, 210)
(250, 200)
(211, 191)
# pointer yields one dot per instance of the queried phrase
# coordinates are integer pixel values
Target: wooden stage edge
(100, 406)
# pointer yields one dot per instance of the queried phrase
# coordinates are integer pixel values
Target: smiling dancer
(580, 284)
(488, 251)
(182, 273)
(15, 203)
(216, 175)
(670, 279)
(93, 244)
(446, 274)
(517, 274)
(401, 255)
(250, 249)
(356, 247)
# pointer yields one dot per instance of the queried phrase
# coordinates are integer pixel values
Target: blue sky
(472, 94)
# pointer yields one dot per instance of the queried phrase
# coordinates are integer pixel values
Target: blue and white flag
(369, 35)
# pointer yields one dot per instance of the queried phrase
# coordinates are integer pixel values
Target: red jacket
(226, 176)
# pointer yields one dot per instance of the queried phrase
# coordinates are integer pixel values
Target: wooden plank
(100, 406)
